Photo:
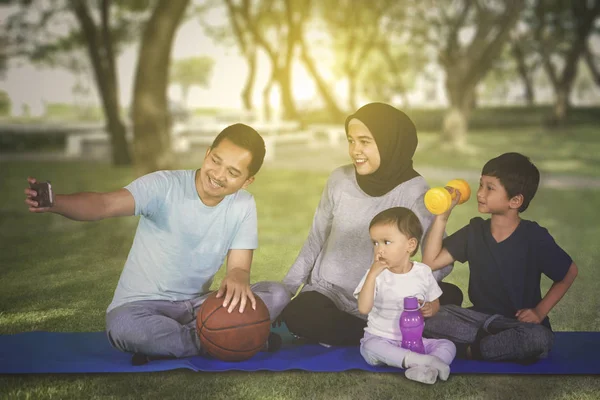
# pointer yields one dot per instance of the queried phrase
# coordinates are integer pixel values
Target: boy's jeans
(492, 337)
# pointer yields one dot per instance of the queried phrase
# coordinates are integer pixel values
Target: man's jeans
(168, 328)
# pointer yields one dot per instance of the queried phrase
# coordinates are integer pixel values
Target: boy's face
(224, 171)
(492, 196)
(362, 148)
(391, 247)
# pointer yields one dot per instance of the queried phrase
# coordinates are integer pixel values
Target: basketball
(236, 336)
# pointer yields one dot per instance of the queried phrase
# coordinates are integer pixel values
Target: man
(191, 220)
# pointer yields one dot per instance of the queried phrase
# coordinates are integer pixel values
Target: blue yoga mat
(90, 352)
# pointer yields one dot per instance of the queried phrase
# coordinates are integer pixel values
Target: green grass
(569, 151)
(59, 275)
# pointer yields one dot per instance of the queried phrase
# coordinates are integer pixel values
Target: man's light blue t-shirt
(180, 243)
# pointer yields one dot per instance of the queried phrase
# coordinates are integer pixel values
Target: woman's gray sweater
(338, 250)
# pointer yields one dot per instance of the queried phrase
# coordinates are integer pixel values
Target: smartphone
(45, 197)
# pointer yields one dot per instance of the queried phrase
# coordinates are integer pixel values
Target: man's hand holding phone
(39, 196)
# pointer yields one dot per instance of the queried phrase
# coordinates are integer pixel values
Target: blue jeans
(491, 337)
(168, 328)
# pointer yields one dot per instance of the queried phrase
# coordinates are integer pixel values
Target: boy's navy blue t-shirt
(505, 276)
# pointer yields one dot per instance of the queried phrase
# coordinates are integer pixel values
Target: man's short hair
(517, 174)
(407, 222)
(246, 137)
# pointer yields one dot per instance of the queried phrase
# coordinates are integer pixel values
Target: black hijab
(396, 138)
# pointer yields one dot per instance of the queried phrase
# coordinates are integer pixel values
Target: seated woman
(381, 143)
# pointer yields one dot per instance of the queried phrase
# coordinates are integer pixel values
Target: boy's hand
(529, 315)
(236, 288)
(456, 198)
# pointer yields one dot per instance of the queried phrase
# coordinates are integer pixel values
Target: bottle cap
(411, 303)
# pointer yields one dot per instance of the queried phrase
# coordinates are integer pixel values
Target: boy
(191, 220)
(506, 255)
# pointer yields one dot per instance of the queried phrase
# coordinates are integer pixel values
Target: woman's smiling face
(362, 148)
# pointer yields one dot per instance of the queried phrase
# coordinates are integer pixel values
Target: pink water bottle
(411, 325)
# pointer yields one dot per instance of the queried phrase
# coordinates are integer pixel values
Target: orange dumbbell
(439, 199)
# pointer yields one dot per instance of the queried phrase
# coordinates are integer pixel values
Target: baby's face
(391, 247)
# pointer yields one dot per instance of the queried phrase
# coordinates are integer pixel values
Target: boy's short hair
(407, 222)
(247, 138)
(517, 174)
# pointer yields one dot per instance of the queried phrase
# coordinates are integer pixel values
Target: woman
(381, 143)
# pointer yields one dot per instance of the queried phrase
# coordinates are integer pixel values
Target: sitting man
(191, 220)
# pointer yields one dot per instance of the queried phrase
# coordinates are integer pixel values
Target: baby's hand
(427, 309)
(378, 266)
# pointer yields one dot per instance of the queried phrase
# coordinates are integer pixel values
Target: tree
(81, 89)
(523, 52)
(468, 38)
(561, 30)
(354, 28)
(518, 62)
(592, 62)
(398, 60)
(100, 30)
(524, 68)
(151, 118)
(232, 33)
(4, 103)
(322, 87)
(193, 71)
(275, 27)
(3, 54)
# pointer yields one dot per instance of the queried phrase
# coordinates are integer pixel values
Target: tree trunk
(114, 125)
(584, 19)
(118, 135)
(151, 117)
(351, 76)
(267, 100)
(454, 131)
(105, 77)
(249, 85)
(563, 88)
(322, 86)
(466, 66)
(456, 125)
(185, 93)
(287, 98)
(561, 106)
(529, 93)
(524, 74)
(591, 63)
